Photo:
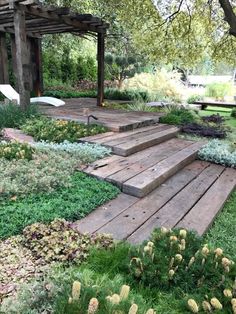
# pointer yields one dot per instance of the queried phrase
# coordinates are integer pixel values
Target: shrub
(77, 292)
(12, 115)
(178, 116)
(218, 152)
(214, 118)
(45, 173)
(58, 241)
(163, 83)
(82, 195)
(218, 90)
(177, 259)
(204, 130)
(233, 113)
(16, 150)
(191, 99)
(58, 131)
(70, 94)
(85, 152)
(141, 106)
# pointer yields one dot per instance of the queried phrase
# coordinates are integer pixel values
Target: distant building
(203, 80)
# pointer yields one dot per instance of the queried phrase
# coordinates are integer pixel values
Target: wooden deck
(114, 120)
(191, 199)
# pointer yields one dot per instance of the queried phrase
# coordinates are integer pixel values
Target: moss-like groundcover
(72, 203)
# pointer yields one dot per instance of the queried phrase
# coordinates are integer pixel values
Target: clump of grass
(12, 115)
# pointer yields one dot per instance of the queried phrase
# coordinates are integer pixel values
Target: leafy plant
(58, 241)
(82, 195)
(16, 150)
(59, 130)
(191, 99)
(70, 94)
(12, 115)
(214, 118)
(178, 116)
(204, 130)
(85, 152)
(218, 152)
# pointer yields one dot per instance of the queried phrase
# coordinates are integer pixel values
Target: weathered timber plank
(132, 218)
(116, 136)
(96, 138)
(151, 178)
(111, 165)
(152, 157)
(204, 212)
(105, 213)
(133, 146)
(135, 135)
(170, 214)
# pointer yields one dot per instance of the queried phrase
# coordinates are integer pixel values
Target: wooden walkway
(191, 199)
(114, 120)
(161, 181)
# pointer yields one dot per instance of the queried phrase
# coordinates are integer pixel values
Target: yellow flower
(124, 292)
(93, 306)
(216, 304)
(206, 306)
(76, 287)
(193, 306)
(183, 233)
(151, 244)
(164, 230)
(225, 262)
(171, 273)
(115, 299)
(192, 260)
(178, 257)
(133, 309)
(173, 239)
(227, 293)
(150, 311)
(218, 252)
(205, 251)
(147, 249)
(70, 300)
(233, 302)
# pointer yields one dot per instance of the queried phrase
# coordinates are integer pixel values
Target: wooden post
(100, 59)
(22, 58)
(38, 66)
(13, 60)
(4, 74)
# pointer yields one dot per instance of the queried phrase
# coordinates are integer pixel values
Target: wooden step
(125, 144)
(146, 181)
(129, 220)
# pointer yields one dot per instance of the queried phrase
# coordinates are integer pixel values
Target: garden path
(162, 184)
(115, 120)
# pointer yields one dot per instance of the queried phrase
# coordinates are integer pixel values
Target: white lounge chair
(9, 92)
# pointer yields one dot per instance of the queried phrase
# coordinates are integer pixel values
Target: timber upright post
(100, 59)
(22, 57)
(4, 76)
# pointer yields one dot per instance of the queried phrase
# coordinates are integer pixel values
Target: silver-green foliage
(44, 173)
(86, 152)
(219, 152)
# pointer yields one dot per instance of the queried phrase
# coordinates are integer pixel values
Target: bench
(204, 104)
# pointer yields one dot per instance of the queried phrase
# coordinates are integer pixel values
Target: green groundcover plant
(46, 129)
(219, 152)
(178, 116)
(16, 150)
(74, 202)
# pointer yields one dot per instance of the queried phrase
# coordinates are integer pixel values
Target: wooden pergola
(27, 21)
